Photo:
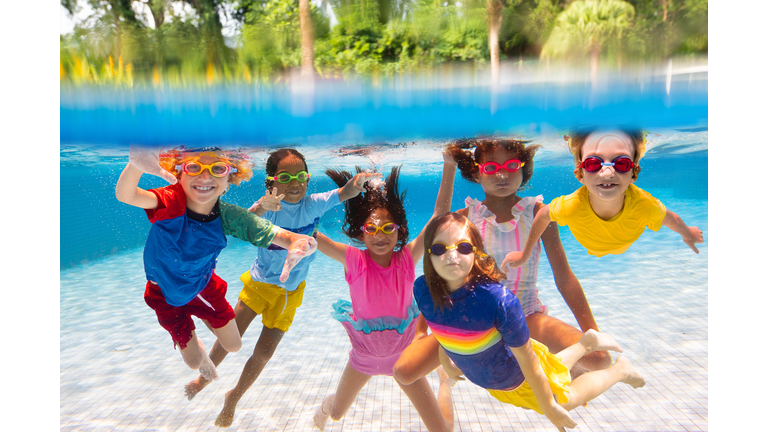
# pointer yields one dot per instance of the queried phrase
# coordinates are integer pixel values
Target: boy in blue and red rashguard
(189, 228)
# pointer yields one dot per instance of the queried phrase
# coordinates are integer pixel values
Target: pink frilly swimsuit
(381, 319)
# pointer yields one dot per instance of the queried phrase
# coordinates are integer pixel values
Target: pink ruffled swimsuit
(380, 321)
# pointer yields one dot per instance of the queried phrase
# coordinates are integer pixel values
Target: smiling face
(203, 190)
(452, 266)
(294, 191)
(502, 183)
(607, 184)
(380, 244)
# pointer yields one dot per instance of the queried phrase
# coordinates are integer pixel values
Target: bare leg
(229, 337)
(423, 399)
(417, 360)
(591, 341)
(195, 357)
(558, 335)
(262, 353)
(592, 384)
(337, 405)
(243, 317)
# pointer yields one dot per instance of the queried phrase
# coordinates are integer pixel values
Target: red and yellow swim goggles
(217, 169)
(387, 228)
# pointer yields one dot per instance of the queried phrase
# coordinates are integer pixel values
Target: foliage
(119, 46)
(587, 26)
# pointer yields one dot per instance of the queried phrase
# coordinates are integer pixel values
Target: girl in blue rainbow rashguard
(483, 334)
(286, 205)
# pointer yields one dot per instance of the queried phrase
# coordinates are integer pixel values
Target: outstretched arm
(536, 378)
(442, 204)
(140, 161)
(691, 235)
(334, 250)
(355, 185)
(567, 282)
(298, 246)
(516, 259)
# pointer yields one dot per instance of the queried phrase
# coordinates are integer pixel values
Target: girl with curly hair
(382, 318)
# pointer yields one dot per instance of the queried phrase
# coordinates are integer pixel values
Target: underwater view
(120, 370)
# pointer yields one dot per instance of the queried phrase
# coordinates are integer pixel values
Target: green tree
(585, 27)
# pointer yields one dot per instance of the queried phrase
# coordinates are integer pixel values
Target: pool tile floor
(119, 371)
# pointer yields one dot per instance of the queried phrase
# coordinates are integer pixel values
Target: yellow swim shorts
(557, 374)
(276, 305)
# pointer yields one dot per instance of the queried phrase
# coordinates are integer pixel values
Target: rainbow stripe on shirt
(465, 342)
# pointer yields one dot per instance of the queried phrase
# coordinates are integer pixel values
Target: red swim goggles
(511, 165)
(594, 164)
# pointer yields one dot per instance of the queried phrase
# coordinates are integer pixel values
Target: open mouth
(607, 185)
(204, 188)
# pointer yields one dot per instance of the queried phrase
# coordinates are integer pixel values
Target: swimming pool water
(120, 372)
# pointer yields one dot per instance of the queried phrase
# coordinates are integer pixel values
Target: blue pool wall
(95, 225)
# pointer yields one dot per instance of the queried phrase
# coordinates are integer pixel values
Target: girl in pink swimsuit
(382, 319)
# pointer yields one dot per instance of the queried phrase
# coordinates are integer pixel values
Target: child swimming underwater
(503, 167)
(483, 334)
(264, 293)
(609, 212)
(189, 225)
(382, 318)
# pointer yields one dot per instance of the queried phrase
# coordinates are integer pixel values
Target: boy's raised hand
(146, 160)
(303, 246)
(270, 202)
(694, 236)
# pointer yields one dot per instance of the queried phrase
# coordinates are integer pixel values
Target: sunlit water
(120, 372)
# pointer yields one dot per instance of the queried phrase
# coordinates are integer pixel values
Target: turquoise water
(119, 371)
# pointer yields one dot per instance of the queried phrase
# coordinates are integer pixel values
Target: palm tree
(307, 41)
(585, 26)
(495, 9)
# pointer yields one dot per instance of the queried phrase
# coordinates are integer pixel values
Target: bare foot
(598, 341)
(321, 418)
(633, 376)
(227, 413)
(208, 369)
(193, 387)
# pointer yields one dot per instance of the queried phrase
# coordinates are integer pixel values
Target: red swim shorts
(213, 307)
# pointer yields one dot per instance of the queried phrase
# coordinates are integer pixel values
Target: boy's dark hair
(274, 159)
(483, 269)
(467, 160)
(576, 140)
(359, 208)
